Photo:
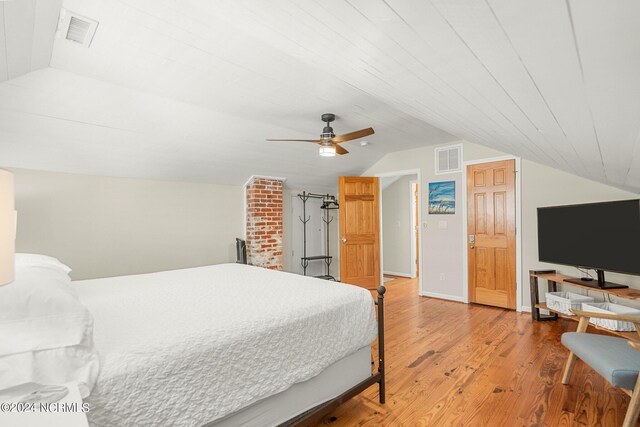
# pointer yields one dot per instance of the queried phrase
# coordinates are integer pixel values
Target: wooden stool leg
(634, 407)
(583, 323)
(568, 368)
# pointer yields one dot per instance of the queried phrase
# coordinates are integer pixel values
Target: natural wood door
(491, 240)
(359, 231)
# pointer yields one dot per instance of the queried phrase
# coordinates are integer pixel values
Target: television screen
(603, 236)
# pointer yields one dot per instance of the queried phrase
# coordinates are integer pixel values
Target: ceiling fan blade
(340, 150)
(316, 141)
(353, 135)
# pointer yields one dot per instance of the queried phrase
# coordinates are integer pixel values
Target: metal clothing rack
(329, 203)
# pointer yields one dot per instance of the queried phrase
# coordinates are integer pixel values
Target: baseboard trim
(393, 273)
(525, 308)
(442, 296)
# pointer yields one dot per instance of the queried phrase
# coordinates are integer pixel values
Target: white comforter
(186, 347)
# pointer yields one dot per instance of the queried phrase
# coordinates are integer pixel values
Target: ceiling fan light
(327, 150)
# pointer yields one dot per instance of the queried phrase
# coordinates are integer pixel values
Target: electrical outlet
(443, 277)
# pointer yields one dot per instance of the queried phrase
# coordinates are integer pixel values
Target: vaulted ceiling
(189, 90)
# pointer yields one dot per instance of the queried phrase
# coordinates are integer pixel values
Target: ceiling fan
(329, 141)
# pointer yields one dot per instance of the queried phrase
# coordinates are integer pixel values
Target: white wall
(396, 227)
(545, 186)
(442, 249)
(292, 233)
(103, 226)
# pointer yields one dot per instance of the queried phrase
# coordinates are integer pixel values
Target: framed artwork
(442, 198)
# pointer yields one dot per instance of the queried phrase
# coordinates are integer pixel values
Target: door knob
(344, 240)
(472, 240)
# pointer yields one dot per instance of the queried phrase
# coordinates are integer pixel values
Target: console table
(553, 280)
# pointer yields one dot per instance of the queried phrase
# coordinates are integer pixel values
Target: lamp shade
(327, 150)
(7, 228)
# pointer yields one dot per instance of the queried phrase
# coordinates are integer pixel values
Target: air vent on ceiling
(76, 28)
(448, 159)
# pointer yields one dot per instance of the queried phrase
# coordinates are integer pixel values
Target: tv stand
(599, 284)
(554, 280)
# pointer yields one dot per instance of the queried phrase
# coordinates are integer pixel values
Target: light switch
(442, 225)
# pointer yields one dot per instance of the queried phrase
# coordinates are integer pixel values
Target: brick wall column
(264, 222)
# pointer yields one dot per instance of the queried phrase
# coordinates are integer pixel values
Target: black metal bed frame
(314, 415)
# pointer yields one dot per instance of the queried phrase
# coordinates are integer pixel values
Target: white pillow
(37, 260)
(47, 333)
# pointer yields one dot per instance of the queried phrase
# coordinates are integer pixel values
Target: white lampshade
(7, 228)
(327, 150)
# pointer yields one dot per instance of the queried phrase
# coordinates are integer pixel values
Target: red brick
(264, 223)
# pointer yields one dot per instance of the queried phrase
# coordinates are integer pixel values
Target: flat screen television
(600, 236)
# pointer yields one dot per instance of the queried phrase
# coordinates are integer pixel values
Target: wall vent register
(76, 28)
(448, 159)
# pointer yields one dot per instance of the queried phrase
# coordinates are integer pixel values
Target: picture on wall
(442, 198)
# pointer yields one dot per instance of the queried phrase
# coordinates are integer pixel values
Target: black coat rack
(329, 203)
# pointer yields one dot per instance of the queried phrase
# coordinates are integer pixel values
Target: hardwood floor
(453, 364)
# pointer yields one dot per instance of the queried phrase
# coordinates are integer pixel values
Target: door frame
(465, 253)
(412, 224)
(403, 172)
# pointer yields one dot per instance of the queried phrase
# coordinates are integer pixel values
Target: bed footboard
(314, 415)
(380, 304)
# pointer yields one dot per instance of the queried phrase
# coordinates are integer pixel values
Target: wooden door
(491, 240)
(359, 231)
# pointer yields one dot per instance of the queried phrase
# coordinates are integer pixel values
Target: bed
(227, 345)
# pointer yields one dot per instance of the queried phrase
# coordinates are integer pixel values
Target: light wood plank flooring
(452, 364)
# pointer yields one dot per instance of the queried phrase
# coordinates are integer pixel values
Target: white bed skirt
(301, 397)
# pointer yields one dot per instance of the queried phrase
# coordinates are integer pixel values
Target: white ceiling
(189, 90)
(26, 29)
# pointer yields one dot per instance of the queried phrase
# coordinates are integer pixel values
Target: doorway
(399, 219)
(361, 228)
(415, 211)
(358, 197)
(491, 233)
